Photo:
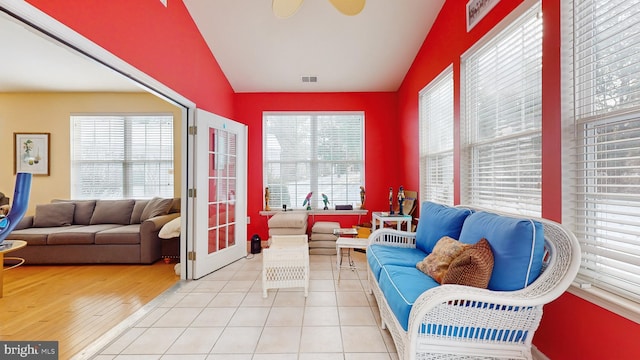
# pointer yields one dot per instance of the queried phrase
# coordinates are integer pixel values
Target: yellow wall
(50, 112)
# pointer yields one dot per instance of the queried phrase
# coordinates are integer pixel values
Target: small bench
(285, 264)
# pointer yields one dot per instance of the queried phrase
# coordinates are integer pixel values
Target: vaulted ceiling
(257, 51)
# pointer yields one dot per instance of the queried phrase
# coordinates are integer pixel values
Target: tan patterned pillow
(437, 263)
(473, 267)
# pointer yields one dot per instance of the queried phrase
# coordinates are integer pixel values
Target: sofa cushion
(324, 237)
(436, 221)
(83, 210)
(175, 205)
(128, 234)
(38, 236)
(112, 212)
(401, 286)
(437, 263)
(381, 255)
(288, 231)
(517, 244)
(50, 215)
(78, 235)
(325, 227)
(138, 208)
(156, 207)
(289, 219)
(473, 267)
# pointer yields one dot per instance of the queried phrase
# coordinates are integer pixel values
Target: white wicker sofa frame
(512, 316)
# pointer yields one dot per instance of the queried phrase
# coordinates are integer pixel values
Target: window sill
(616, 304)
(318, 212)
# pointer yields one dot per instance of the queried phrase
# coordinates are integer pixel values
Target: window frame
(126, 160)
(437, 160)
(297, 195)
(579, 112)
(469, 179)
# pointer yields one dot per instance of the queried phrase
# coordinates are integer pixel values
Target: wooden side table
(6, 247)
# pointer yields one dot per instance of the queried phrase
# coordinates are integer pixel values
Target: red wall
(571, 327)
(382, 144)
(155, 39)
(162, 42)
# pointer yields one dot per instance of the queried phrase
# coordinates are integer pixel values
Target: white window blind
(502, 119)
(436, 139)
(602, 108)
(121, 156)
(313, 152)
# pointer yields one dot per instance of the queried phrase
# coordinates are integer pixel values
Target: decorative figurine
(307, 200)
(391, 201)
(325, 200)
(400, 200)
(362, 198)
(267, 195)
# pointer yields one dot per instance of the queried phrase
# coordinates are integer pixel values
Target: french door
(221, 193)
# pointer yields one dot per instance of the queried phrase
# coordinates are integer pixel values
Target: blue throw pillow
(436, 221)
(517, 245)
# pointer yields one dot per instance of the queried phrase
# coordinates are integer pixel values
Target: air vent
(309, 79)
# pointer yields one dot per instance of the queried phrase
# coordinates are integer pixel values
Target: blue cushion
(436, 221)
(401, 286)
(517, 245)
(380, 255)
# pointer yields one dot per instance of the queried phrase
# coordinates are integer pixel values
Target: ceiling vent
(309, 79)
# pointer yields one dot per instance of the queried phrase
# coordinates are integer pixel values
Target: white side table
(381, 217)
(348, 243)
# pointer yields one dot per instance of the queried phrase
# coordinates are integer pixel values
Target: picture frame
(477, 9)
(31, 153)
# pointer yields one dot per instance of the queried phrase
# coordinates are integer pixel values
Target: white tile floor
(224, 316)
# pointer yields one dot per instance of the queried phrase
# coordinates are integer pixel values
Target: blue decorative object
(19, 206)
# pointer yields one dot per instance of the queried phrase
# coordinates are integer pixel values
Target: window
(313, 152)
(502, 119)
(436, 139)
(121, 156)
(602, 113)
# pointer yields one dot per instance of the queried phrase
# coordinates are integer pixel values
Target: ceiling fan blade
(285, 8)
(348, 7)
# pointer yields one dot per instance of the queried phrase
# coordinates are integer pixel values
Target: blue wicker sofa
(530, 263)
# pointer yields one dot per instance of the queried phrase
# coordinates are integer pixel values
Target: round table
(8, 246)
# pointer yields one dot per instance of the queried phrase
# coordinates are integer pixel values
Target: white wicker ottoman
(285, 264)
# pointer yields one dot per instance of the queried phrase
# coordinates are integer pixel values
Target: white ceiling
(257, 51)
(30, 62)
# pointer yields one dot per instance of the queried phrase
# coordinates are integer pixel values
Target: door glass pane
(222, 189)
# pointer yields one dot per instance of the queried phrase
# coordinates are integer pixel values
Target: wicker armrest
(393, 237)
(471, 312)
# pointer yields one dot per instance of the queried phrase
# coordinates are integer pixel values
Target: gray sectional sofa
(95, 231)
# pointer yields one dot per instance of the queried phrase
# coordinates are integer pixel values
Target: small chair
(285, 264)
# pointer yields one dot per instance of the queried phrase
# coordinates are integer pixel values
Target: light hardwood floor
(76, 305)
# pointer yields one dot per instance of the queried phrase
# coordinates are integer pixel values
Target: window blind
(313, 152)
(436, 139)
(502, 119)
(116, 156)
(602, 87)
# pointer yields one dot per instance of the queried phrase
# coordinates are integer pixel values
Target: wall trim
(616, 304)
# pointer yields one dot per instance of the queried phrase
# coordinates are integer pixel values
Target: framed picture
(477, 9)
(31, 153)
